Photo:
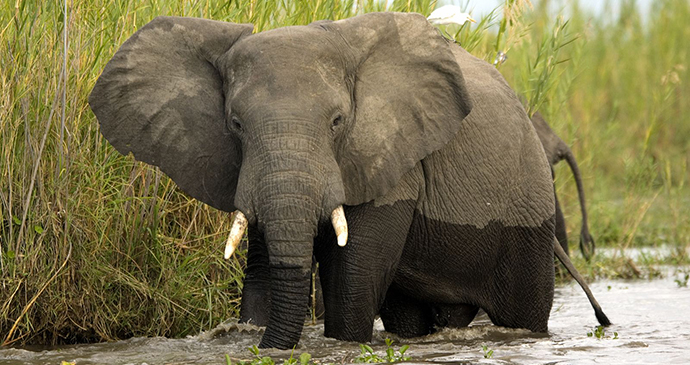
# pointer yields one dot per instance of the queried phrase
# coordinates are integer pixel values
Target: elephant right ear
(161, 98)
(409, 94)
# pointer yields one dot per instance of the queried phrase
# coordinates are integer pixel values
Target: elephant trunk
(290, 258)
(289, 184)
(289, 226)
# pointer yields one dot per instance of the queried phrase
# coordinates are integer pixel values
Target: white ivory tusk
(236, 233)
(340, 225)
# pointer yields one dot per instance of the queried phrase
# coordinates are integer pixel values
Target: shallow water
(651, 317)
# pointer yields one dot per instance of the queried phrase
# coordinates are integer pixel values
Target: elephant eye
(234, 124)
(337, 120)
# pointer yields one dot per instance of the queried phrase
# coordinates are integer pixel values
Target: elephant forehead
(288, 49)
(285, 63)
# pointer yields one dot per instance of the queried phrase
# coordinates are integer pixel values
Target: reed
(95, 246)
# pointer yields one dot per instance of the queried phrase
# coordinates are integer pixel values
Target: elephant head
(284, 126)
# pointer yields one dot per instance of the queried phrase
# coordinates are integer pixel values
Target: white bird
(449, 14)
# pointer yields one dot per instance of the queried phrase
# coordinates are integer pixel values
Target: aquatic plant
(600, 333)
(303, 359)
(488, 353)
(369, 356)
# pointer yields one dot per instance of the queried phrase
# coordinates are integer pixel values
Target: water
(650, 317)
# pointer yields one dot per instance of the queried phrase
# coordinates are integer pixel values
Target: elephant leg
(561, 233)
(522, 284)
(454, 315)
(256, 292)
(406, 316)
(356, 277)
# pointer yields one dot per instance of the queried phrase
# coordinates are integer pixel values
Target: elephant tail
(598, 312)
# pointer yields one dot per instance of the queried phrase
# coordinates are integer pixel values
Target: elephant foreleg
(355, 278)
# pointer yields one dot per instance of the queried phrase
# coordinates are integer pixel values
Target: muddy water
(651, 317)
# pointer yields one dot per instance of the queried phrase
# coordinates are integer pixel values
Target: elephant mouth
(239, 225)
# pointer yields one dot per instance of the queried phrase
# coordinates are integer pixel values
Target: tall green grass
(619, 98)
(95, 246)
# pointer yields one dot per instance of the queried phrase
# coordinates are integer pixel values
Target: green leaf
(487, 353)
(16, 220)
(227, 360)
(304, 358)
(404, 348)
(38, 229)
(10, 255)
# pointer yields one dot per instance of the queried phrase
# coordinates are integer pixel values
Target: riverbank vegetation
(95, 246)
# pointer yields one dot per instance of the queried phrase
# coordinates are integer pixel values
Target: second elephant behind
(556, 151)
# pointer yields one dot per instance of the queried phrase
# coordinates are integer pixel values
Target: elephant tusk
(236, 233)
(340, 225)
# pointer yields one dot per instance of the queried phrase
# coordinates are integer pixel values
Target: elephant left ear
(409, 94)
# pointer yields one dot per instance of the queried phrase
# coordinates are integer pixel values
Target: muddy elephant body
(446, 190)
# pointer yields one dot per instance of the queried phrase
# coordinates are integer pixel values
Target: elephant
(405, 166)
(557, 150)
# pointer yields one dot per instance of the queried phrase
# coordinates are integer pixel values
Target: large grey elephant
(371, 133)
(557, 150)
